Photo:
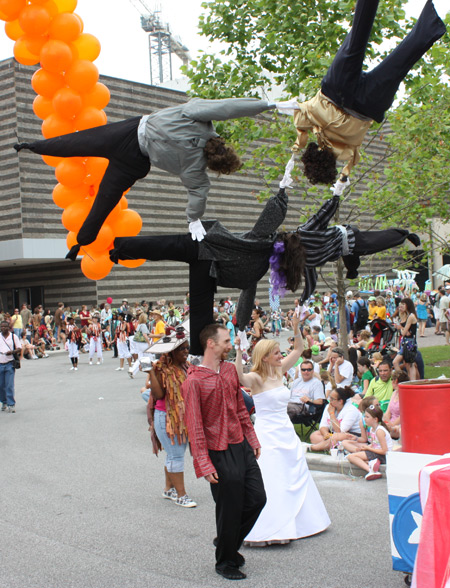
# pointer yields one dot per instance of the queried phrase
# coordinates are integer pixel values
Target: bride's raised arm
(294, 355)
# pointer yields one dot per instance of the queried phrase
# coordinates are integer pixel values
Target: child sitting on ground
(392, 415)
(354, 445)
(380, 442)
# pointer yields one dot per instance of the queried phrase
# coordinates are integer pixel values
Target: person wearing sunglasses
(307, 392)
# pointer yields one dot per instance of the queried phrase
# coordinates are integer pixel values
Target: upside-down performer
(180, 140)
(350, 100)
(240, 260)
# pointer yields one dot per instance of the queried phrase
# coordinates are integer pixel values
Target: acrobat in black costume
(240, 260)
(180, 140)
(350, 100)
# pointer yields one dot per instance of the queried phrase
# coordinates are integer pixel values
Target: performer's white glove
(243, 341)
(287, 180)
(287, 107)
(197, 231)
(339, 187)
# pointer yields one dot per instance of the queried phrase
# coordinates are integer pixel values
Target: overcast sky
(125, 45)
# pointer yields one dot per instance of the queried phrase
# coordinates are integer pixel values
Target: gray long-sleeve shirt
(174, 138)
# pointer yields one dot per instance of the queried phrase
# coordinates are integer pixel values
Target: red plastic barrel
(424, 416)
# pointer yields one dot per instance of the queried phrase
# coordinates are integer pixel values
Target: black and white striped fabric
(323, 244)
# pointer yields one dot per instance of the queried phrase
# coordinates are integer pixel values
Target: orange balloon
(96, 266)
(124, 202)
(10, 9)
(22, 54)
(50, 5)
(64, 196)
(90, 117)
(13, 30)
(87, 47)
(82, 75)
(104, 239)
(35, 44)
(67, 103)
(66, 5)
(132, 262)
(34, 20)
(46, 83)
(56, 56)
(98, 97)
(52, 161)
(95, 169)
(65, 27)
(128, 224)
(75, 214)
(54, 126)
(71, 240)
(40, 2)
(70, 173)
(42, 107)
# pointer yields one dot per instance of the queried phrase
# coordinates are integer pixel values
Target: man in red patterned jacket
(224, 447)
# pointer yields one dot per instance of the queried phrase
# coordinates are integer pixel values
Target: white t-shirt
(316, 320)
(345, 370)
(348, 418)
(312, 388)
(444, 302)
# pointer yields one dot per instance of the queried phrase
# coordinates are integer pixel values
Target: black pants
(239, 497)
(117, 142)
(372, 93)
(369, 242)
(177, 248)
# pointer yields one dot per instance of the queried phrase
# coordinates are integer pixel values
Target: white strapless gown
(294, 508)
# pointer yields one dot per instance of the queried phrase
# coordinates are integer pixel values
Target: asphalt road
(82, 506)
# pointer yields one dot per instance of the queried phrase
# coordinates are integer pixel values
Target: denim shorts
(175, 453)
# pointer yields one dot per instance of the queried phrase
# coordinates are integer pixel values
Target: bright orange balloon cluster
(69, 98)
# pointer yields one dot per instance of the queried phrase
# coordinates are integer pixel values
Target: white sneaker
(119, 369)
(99, 362)
(72, 368)
(185, 501)
(90, 362)
(171, 494)
(373, 476)
(76, 369)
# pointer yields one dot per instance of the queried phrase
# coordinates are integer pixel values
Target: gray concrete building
(33, 240)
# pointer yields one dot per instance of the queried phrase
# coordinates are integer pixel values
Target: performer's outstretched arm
(272, 216)
(228, 108)
(319, 222)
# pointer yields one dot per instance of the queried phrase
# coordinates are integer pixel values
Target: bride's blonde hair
(261, 350)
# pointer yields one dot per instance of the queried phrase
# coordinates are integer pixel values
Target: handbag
(139, 337)
(409, 346)
(16, 362)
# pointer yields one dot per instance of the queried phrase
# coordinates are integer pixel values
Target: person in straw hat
(165, 411)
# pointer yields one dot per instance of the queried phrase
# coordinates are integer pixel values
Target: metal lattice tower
(162, 44)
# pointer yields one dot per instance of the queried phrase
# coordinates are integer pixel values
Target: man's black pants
(372, 93)
(117, 142)
(239, 497)
(202, 286)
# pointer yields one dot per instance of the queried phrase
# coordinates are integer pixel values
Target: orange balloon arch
(69, 98)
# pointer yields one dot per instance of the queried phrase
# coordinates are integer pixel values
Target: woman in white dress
(294, 508)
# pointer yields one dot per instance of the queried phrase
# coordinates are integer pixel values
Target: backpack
(363, 316)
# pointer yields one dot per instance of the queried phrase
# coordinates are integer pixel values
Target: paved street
(82, 505)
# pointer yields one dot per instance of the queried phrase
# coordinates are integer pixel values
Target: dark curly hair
(221, 158)
(320, 164)
(292, 260)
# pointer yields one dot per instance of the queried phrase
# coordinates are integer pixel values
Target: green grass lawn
(432, 356)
